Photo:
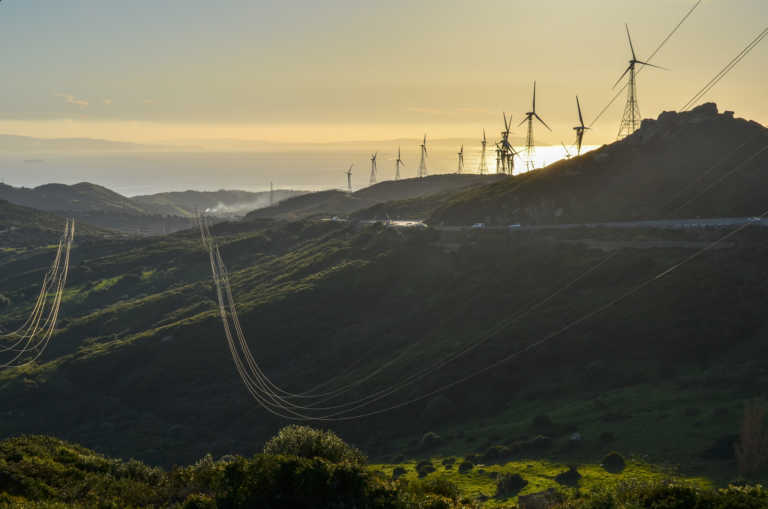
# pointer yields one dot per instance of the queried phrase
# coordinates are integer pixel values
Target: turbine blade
(527, 117)
(622, 76)
(578, 106)
(540, 120)
(651, 65)
(534, 97)
(630, 42)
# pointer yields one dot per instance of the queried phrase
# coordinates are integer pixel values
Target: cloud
(148, 101)
(107, 101)
(71, 99)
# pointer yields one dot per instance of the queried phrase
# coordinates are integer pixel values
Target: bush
(509, 485)
(465, 466)
(669, 496)
(614, 462)
(430, 440)
(424, 468)
(496, 453)
(435, 486)
(199, 501)
(398, 472)
(568, 478)
(4, 301)
(542, 422)
(307, 442)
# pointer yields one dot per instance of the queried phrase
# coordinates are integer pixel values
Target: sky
(212, 74)
(340, 70)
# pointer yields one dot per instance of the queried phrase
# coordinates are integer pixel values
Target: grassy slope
(365, 202)
(139, 317)
(187, 202)
(480, 482)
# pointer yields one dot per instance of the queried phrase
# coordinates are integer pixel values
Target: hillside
(649, 175)
(340, 203)
(160, 213)
(23, 227)
(321, 300)
(222, 202)
(78, 198)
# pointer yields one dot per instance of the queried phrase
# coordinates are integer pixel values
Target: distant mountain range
(14, 143)
(158, 213)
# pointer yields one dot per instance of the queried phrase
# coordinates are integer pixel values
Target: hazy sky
(175, 70)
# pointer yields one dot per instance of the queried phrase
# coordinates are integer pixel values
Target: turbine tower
(372, 180)
(423, 161)
(349, 177)
(530, 146)
(398, 162)
(483, 162)
(508, 152)
(271, 194)
(631, 119)
(579, 128)
(461, 161)
(567, 154)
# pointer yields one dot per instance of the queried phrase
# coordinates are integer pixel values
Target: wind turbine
(349, 177)
(372, 180)
(461, 161)
(530, 147)
(483, 163)
(398, 162)
(579, 128)
(631, 118)
(567, 154)
(423, 160)
(508, 152)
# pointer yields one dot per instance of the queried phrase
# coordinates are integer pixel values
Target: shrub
(669, 496)
(538, 443)
(497, 452)
(430, 440)
(509, 485)
(543, 422)
(435, 486)
(607, 436)
(568, 478)
(4, 301)
(465, 466)
(398, 472)
(307, 442)
(424, 468)
(199, 501)
(448, 462)
(613, 462)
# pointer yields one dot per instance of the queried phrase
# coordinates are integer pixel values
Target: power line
(725, 70)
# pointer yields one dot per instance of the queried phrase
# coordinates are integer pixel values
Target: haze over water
(305, 169)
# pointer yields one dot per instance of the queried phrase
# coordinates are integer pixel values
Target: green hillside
(368, 201)
(41, 472)
(140, 317)
(224, 202)
(23, 228)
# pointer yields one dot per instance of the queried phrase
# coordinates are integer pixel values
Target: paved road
(662, 224)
